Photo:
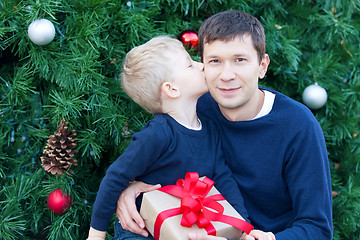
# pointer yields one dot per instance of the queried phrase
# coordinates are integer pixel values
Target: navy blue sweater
(281, 166)
(162, 152)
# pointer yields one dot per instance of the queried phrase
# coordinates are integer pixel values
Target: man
(273, 144)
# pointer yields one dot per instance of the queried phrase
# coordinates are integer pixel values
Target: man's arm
(126, 210)
(307, 175)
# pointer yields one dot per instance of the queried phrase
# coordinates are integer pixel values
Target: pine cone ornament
(59, 151)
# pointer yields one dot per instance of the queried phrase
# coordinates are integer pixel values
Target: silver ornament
(314, 96)
(41, 31)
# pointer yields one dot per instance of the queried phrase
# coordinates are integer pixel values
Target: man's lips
(229, 90)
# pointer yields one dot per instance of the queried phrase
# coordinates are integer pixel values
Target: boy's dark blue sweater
(162, 153)
(281, 166)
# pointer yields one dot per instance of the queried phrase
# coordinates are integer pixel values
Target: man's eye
(240, 59)
(214, 61)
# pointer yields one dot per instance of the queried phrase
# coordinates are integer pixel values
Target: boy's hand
(96, 234)
(126, 211)
(260, 235)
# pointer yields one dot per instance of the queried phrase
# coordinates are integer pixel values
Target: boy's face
(232, 70)
(188, 75)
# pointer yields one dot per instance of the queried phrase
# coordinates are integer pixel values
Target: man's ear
(264, 66)
(170, 90)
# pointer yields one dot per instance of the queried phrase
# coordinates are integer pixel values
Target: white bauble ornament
(314, 96)
(41, 31)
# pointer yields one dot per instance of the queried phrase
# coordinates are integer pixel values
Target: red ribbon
(195, 206)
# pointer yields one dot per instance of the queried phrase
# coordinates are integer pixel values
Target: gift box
(192, 205)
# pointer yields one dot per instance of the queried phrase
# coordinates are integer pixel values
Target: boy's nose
(201, 66)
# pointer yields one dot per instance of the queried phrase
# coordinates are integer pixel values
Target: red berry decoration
(58, 202)
(189, 38)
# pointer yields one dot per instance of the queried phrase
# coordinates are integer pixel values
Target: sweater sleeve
(226, 184)
(146, 147)
(308, 180)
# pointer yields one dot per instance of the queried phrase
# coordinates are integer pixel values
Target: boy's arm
(137, 158)
(96, 234)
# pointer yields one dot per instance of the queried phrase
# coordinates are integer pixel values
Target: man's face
(232, 70)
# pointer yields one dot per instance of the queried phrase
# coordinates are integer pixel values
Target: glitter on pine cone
(59, 151)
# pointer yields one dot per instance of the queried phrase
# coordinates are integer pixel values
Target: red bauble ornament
(189, 38)
(58, 202)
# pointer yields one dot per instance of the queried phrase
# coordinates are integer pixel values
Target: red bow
(195, 206)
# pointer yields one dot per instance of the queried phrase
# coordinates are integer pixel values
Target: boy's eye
(240, 59)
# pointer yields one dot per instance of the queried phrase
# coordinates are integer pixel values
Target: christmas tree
(68, 80)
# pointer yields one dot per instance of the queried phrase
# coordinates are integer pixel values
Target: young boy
(162, 78)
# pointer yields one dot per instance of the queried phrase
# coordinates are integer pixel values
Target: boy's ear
(170, 90)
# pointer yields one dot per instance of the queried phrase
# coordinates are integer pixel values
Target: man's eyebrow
(234, 55)
(240, 54)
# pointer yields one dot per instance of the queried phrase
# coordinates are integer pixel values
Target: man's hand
(126, 211)
(260, 235)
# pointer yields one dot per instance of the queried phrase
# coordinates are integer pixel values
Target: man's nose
(227, 72)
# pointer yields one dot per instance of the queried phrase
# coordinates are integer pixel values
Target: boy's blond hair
(145, 68)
